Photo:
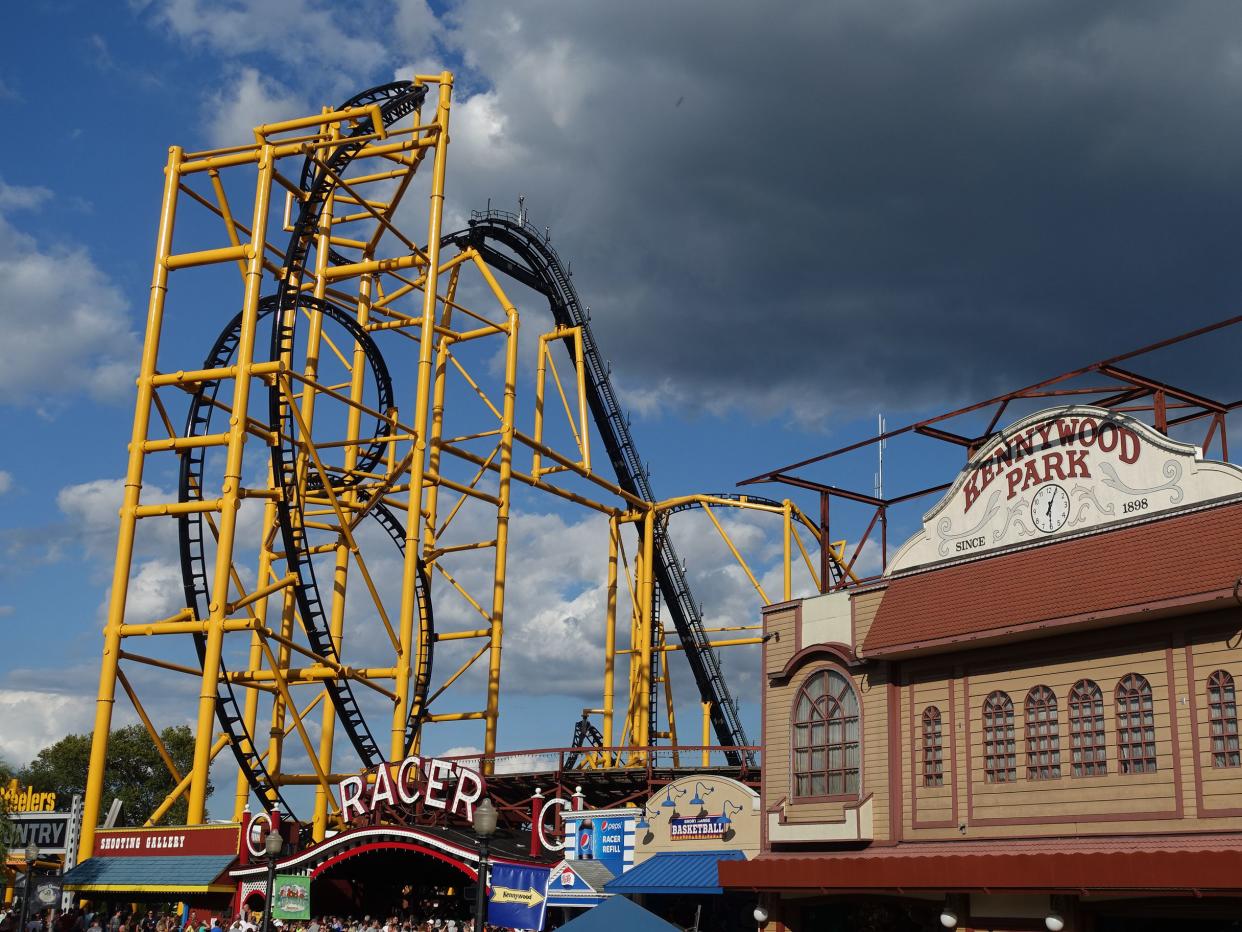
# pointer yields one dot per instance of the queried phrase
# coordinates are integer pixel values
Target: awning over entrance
(177, 874)
(1118, 864)
(450, 846)
(675, 872)
(619, 913)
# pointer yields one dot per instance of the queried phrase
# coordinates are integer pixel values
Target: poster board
(291, 897)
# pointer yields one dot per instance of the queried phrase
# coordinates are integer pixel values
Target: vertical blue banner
(518, 897)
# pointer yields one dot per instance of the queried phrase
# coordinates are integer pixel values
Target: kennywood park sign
(439, 784)
(1060, 472)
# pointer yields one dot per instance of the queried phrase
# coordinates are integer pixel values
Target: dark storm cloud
(791, 207)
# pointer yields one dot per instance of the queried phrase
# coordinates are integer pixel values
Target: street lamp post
(32, 855)
(272, 844)
(484, 828)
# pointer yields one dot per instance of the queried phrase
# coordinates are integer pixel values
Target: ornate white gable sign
(1062, 471)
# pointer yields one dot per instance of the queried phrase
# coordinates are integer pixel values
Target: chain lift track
(540, 268)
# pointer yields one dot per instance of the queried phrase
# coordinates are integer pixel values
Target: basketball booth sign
(700, 814)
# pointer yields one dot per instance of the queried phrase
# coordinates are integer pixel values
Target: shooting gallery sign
(182, 840)
(438, 784)
(1063, 471)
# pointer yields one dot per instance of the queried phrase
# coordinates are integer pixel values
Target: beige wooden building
(1037, 730)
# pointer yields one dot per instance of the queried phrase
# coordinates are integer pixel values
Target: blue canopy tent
(619, 913)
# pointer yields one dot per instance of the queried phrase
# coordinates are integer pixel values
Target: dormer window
(825, 737)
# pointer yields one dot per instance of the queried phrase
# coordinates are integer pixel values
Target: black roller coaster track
(538, 266)
(534, 263)
(193, 558)
(395, 100)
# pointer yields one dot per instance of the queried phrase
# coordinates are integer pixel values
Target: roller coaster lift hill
(350, 414)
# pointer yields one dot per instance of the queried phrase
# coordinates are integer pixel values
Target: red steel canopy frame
(1121, 389)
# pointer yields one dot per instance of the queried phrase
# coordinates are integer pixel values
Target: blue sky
(784, 225)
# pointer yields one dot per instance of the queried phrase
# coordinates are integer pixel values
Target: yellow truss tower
(348, 438)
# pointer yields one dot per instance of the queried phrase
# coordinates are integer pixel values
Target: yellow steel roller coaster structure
(330, 533)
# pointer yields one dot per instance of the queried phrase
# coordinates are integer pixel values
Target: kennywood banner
(518, 898)
(1062, 471)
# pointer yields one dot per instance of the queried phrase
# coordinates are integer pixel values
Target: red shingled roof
(1179, 560)
(1145, 863)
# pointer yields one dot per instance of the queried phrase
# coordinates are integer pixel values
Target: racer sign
(440, 784)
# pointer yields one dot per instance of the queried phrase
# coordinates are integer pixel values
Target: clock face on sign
(1050, 508)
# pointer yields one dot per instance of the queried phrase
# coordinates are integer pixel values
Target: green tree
(135, 774)
(6, 824)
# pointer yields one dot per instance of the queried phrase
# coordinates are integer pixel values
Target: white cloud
(252, 99)
(6, 611)
(870, 562)
(416, 26)
(481, 138)
(469, 755)
(34, 719)
(6, 481)
(93, 505)
(66, 326)
(155, 592)
(296, 32)
(17, 197)
(92, 509)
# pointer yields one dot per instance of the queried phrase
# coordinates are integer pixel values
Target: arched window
(825, 727)
(1043, 743)
(1136, 726)
(933, 749)
(1223, 718)
(1088, 750)
(1000, 757)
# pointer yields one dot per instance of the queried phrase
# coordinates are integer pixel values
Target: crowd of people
(75, 920)
(88, 920)
(370, 924)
